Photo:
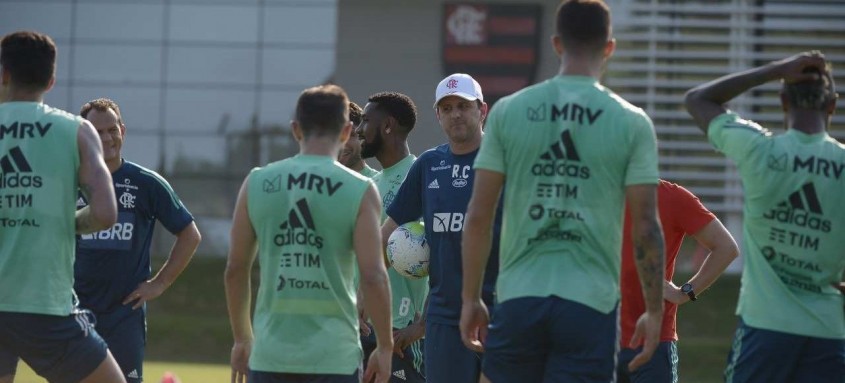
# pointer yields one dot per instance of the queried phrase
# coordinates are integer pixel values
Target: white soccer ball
(407, 250)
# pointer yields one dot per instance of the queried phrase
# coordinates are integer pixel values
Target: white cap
(458, 84)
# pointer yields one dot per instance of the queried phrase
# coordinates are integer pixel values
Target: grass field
(188, 329)
(153, 371)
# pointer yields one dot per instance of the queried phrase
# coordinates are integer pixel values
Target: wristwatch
(686, 288)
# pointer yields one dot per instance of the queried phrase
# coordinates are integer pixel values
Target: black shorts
(409, 369)
(62, 349)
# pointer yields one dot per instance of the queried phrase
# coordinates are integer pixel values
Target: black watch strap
(689, 291)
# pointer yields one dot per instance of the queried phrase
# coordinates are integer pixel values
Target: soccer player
(681, 213)
(46, 155)
(791, 323)
(572, 153)
(437, 189)
(350, 155)
(112, 268)
(309, 219)
(387, 120)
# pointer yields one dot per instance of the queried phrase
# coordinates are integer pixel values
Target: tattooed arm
(647, 237)
(95, 183)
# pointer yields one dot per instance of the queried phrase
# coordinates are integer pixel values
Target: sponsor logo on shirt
(448, 222)
(819, 166)
(555, 233)
(434, 184)
(791, 270)
(117, 237)
(777, 163)
(125, 185)
(802, 209)
(300, 284)
(442, 166)
(313, 182)
(536, 114)
(566, 112)
(562, 159)
(299, 228)
(24, 130)
(460, 174)
(18, 222)
(16, 171)
(272, 185)
(538, 212)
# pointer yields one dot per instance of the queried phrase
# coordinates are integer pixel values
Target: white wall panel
(300, 25)
(299, 67)
(118, 63)
(213, 65)
(214, 23)
(52, 19)
(119, 21)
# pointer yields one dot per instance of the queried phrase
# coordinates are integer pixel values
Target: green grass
(188, 329)
(705, 329)
(153, 371)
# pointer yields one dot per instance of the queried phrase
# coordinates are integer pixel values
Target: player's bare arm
(242, 251)
(723, 250)
(707, 101)
(374, 284)
(475, 247)
(95, 183)
(647, 238)
(183, 250)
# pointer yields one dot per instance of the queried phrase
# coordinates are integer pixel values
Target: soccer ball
(407, 250)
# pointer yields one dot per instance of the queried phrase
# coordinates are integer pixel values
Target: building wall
(184, 71)
(387, 45)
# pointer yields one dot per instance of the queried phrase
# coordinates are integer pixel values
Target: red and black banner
(497, 44)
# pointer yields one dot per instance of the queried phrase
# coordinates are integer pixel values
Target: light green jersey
(303, 210)
(408, 294)
(793, 222)
(368, 172)
(568, 147)
(39, 166)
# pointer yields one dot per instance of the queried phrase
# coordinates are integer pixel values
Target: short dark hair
(101, 105)
(355, 113)
(811, 95)
(398, 106)
(583, 24)
(30, 58)
(322, 110)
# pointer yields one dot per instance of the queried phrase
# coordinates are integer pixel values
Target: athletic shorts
(405, 370)
(549, 340)
(280, 377)
(125, 332)
(62, 349)
(447, 360)
(661, 368)
(759, 355)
